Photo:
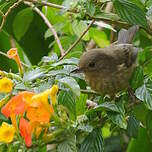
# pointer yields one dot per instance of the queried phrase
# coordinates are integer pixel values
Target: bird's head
(95, 60)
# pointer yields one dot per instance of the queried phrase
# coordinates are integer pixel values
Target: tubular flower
(7, 133)
(17, 104)
(39, 114)
(6, 85)
(13, 54)
(26, 131)
(43, 97)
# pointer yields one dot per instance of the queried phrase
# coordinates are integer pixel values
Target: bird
(108, 70)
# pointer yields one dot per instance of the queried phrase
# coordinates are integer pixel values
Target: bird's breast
(109, 83)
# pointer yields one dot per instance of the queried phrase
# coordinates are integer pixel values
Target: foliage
(38, 64)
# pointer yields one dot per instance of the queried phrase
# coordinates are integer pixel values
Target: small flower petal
(26, 131)
(7, 133)
(6, 85)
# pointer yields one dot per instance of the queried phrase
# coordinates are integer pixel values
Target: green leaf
(141, 144)
(66, 61)
(68, 145)
(130, 12)
(20, 27)
(107, 16)
(72, 84)
(105, 106)
(93, 142)
(144, 93)
(137, 78)
(79, 28)
(81, 104)
(33, 74)
(132, 127)
(67, 99)
(118, 119)
(99, 37)
(83, 124)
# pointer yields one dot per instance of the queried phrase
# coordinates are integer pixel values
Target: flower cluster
(29, 112)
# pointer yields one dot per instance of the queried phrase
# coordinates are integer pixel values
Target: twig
(44, 3)
(4, 54)
(78, 40)
(48, 24)
(89, 92)
(8, 11)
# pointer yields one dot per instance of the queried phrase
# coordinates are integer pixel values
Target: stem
(8, 11)
(78, 40)
(48, 24)
(44, 3)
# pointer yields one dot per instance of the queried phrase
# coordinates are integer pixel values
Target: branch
(89, 92)
(4, 54)
(78, 40)
(44, 3)
(8, 11)
(48, 24)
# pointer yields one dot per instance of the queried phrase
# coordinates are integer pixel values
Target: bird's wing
(125, 54)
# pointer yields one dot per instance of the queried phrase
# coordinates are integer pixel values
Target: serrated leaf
(144, 93)
(132, 127)
(93, 142)
(72, 84)
(130, 12)
(67, 99)
(68, 145)
(66, 61)
(20, 27)
(105, 106)
(81, 104)
(33, 74)
(118, 119)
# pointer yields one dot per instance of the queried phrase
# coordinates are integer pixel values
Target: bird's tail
(126, 36)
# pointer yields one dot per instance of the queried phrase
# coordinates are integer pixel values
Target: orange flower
(26, 131)
(13, 54)
(17, 104)
(39, 114)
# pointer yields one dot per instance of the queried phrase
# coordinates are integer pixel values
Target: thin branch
(8, 11)
(4, 54)
(89, 92)
(48, 24)
(44, 3)
(78, 40)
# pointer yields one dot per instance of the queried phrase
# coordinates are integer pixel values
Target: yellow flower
(43, 97)
(53, 92)
(7, 133)
(6, 85)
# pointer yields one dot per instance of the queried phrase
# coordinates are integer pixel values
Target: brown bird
(109, 70)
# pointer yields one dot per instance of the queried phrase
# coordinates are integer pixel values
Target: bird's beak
(77, 70)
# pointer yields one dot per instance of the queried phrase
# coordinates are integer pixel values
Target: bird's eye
(91, 64)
